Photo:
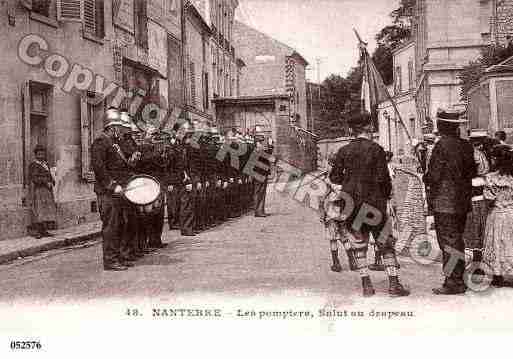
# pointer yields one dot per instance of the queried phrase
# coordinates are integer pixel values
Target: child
(498, 239)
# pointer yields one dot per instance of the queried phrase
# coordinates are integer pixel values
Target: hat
(452, 116)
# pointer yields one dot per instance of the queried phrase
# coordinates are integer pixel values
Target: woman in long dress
(498, 239)
(44, 210)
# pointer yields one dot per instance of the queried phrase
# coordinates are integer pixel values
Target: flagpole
(363, 48)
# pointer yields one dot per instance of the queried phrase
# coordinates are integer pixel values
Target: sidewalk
(12, 249)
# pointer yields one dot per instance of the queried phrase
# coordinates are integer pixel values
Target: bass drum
(145, 194)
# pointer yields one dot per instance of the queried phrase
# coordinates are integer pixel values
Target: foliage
(341, 95)
(490, 55)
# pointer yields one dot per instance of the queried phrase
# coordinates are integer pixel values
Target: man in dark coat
(361, 168)
(112, 172)
(260, 185)
(449, 192)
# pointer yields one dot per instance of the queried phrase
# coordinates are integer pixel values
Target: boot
(378, 262)
(396, 289)
(498, 281)
(368, 289)
(335, 267)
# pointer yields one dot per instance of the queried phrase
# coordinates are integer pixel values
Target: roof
(192, 10)
(262, 99)
(291, 51)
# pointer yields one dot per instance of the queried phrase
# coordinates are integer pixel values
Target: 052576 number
(25, 345)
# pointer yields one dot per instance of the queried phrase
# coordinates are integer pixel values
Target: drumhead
(142, 190)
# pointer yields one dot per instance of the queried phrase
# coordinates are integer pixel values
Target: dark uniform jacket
(109, 165)
(361, 168)
(176, 168)
(263, 152)
(194, 162)
(449, 176)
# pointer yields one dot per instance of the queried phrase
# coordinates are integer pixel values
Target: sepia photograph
(240, 178)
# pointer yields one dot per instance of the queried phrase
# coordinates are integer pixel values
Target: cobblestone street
(284, 255)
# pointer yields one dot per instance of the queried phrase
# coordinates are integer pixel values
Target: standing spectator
(44, 209)
(498, 241)
(449, 190)
(476, 220)
(501, 137)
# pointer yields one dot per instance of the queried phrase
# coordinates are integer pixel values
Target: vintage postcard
(230, 177)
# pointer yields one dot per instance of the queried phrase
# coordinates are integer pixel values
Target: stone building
(63, 64)
(392, 134)
(197, 67)
(272, 68)
(448, 34)
(223, 74)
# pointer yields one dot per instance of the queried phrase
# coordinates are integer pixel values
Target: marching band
(140, 173)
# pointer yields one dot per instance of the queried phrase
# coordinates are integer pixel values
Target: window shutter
(85, 127)
(90, 16)
(70, 10)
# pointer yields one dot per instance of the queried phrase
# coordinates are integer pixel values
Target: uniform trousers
(449, 229)
(187, 202)
(260, 190)
(173, 206)
(113, 214)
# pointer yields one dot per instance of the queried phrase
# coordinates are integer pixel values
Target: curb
(61, 242)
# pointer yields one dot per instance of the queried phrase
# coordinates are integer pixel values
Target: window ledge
(93, 38)
(44, 19)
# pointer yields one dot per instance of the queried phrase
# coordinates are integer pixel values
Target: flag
(374, 90)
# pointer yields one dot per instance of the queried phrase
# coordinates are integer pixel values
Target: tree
(490, 55)
(391, 36)
(335, 96)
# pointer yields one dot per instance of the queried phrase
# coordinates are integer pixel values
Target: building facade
(393, 134)
(272, 68)
(448, 35)
(64, 62)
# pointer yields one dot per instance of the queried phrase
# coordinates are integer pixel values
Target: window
(206, 100)
(411, 79)
(91, 119)
(413, 127)
(94, 20)
(41, 7)
(192, 74)
(397, 87)
(204, 49)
